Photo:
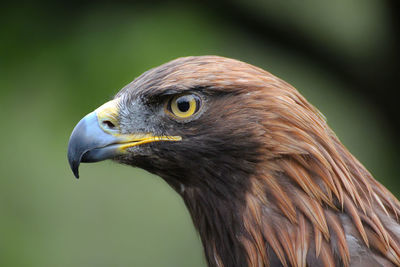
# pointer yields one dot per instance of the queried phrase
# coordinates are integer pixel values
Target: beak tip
(76, 173)
(74, 167)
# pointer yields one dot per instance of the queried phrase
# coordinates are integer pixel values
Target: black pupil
(183, 104)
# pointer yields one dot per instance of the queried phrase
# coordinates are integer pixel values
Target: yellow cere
(176, 110)
(108, 112)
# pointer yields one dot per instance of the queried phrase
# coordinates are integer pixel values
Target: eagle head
(265, 179)
(190, 121)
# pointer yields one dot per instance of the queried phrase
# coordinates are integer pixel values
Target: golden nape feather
(265, 179)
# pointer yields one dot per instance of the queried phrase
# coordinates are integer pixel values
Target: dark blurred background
(59, 60)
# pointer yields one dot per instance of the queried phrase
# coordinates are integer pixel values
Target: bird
(264, 178)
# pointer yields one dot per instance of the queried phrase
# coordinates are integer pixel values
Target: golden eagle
(265, 179)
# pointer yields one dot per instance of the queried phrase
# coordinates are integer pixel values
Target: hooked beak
(97, 137)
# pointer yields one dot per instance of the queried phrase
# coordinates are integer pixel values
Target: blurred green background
(60, 60)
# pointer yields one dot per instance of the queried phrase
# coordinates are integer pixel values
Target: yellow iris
(184, 106)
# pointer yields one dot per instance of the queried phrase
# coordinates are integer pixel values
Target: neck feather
(297, 210)
(220, 224)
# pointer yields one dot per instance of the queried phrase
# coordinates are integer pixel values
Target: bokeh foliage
(58, 63)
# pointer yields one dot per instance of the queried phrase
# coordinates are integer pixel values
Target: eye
(183, 105)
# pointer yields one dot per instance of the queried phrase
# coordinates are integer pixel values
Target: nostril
(109, 124)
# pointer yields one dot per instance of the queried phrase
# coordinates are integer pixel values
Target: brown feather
(337, 229)
(290, 193)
